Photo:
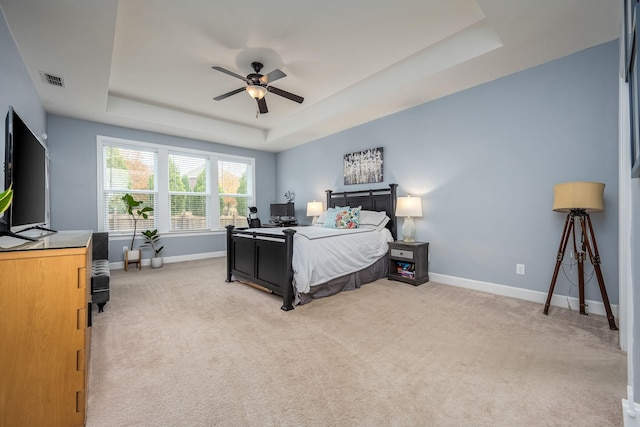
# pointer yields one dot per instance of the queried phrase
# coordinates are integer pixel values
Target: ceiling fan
(258, 85)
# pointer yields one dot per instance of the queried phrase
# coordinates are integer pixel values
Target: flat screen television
(25, 170)
(282, 211)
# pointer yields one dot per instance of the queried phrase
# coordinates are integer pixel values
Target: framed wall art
(363, 167)
(632, 12)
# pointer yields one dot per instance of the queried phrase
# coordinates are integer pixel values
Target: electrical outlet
(125, 249)
(520, 269)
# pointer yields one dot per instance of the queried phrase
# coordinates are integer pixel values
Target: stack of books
(406, 269)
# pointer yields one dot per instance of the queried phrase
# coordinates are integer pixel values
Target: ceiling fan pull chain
(257, 111)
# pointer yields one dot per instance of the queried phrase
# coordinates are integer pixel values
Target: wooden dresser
(45, 337)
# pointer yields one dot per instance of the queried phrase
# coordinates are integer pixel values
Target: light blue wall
(485, 161)
(16, 89)
(74, 188)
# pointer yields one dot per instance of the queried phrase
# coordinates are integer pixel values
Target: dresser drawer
(402, 253)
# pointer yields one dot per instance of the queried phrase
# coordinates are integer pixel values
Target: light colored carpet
(178, 346)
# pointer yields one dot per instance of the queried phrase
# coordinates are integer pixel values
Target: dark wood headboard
(380, 199)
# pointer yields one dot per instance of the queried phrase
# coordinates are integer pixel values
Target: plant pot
(157, 262)
(132, 257)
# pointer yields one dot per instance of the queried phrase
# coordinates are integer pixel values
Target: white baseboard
(594, 307)
(180, 258)
(631, 413)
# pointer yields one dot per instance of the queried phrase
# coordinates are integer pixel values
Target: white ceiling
(146, 64)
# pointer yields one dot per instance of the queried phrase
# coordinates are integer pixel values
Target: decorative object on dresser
(100, 273)
(314, 209)
(577, 200)
(45, 338)
(409, 207)
(134, 256)
(409, 262)
(363, 167)
(290, 196)
(152, 240)
(266, 258)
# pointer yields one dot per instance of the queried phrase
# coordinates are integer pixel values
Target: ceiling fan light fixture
(256, 91)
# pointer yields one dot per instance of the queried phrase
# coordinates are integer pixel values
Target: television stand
(38, 227)
(17, 236)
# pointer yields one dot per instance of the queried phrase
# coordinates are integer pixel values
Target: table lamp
(409, 207)
(314, 209)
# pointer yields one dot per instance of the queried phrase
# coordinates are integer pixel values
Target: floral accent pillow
(348, 218)
(330, 217)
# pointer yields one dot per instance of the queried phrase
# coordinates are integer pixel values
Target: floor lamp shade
(587, 196)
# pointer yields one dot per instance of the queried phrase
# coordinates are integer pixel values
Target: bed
(271, 258)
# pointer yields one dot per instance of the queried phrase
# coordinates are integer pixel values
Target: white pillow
(321, 219)
(373, 218)
(379, 227)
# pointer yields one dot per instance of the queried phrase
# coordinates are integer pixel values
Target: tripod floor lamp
(578, 199)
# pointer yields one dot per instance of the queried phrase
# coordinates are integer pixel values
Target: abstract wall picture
(362, 167)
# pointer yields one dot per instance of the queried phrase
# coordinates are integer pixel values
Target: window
(235, 192)
(189, 190)
(127, 170)
(189, 196)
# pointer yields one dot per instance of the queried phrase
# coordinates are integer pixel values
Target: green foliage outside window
(176, 183)
(241, 202)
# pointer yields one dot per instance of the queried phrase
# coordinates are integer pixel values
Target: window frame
(161, 182)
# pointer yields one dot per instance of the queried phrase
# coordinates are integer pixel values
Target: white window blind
(189, 194)
(127, 170)
(235, 182)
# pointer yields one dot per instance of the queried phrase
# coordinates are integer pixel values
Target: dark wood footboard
(263, 259)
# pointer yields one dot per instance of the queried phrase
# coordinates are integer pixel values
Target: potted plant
(152, 240)
(133, 208)
(5, 199)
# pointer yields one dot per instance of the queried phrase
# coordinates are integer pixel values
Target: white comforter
(322, 254)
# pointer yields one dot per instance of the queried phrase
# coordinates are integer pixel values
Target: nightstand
(409, 262)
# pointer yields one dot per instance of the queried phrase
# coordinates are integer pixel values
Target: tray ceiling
(146, 64)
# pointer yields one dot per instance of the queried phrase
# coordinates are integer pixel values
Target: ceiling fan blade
(231, 73)
(228, 94)
(285, 94)
(262, 106)
(272, 76)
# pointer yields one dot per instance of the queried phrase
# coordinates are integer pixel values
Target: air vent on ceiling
(51, 79)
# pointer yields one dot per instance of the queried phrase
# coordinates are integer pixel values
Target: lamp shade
(586, 196)
(314, 208)
(409, 206)
(256, 91)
